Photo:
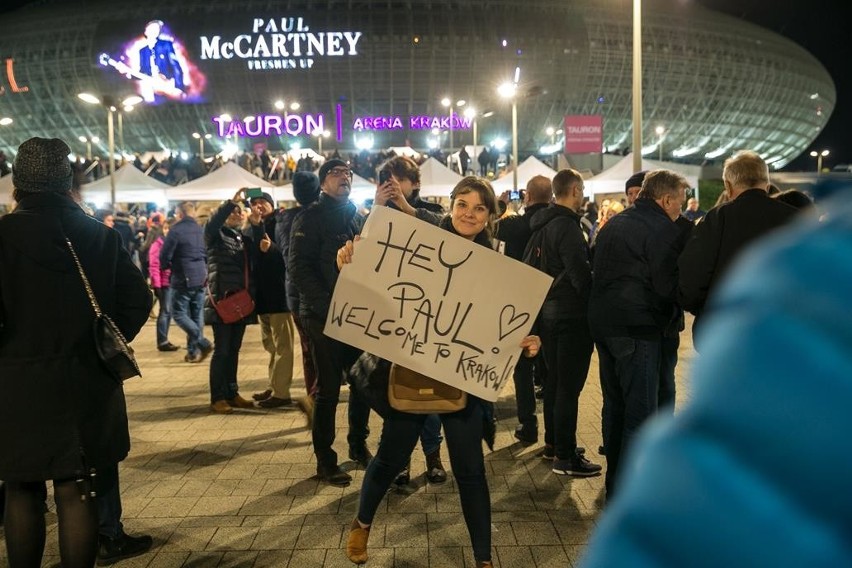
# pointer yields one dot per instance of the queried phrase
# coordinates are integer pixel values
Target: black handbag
(113, 350)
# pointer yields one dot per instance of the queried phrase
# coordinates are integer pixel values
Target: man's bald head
(539, 190)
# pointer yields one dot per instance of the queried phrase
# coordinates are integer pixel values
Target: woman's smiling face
(469, 214)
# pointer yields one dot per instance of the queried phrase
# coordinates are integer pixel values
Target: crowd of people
(623, 275)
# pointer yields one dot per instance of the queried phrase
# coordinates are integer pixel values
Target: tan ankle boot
(356, 544)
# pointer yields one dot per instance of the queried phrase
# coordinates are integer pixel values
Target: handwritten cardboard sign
(436, 303)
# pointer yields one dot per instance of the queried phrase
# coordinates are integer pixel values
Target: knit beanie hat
(265, 197)
(42, 165)
(306, 187)
(634, 181)
(328, 166)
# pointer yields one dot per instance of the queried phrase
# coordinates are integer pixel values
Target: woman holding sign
(473, 210)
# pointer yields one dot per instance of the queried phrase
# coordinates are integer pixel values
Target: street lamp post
(201, 138)
(88, 142)
(320, 134)
(637, 85)
(819, 156)
(509, 91)
(109, 104)
(660, 130)
(446, 102)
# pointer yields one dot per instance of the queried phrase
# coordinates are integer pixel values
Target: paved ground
(237, 490)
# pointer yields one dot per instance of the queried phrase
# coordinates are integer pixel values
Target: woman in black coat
(62, 416)
(230, 256)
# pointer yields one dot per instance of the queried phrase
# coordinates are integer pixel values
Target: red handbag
(236, 304)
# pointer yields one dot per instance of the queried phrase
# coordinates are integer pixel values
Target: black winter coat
(565, 257)
(282, 238)
(718, 239)
(515, 231)
(228, 254)
(635, 274)
(59, 408)
(316, 236)
(270, 272)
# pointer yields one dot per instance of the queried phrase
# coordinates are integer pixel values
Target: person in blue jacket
(724, 483)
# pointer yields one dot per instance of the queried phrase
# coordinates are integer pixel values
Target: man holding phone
(276, 321)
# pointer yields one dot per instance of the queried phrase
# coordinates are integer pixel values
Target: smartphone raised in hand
(253, 192)
(384, 177)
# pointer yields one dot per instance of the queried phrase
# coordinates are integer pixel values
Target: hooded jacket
(565, 256)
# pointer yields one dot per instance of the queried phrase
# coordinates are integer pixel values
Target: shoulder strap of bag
(95, 306)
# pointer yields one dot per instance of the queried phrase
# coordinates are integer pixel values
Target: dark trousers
(463, 431)
(630, 377)
(307, 361)
(666, 396)
(227, 340)
(567, 347)
(524, 377)
(333, 360)
(109, 502)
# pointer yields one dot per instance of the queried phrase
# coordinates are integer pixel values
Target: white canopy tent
(529, 168)
(131, 186)
(612, 180)
(405, 151)
(436, 179)
(222, 183)
(6, 187)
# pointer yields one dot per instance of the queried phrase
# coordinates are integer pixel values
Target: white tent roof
(404, 151)
(436, 179)
(529, 168)
(222, 183)
(612, 180)
(6, 187)
(131, 186)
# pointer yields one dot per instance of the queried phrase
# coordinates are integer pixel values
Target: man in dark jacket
(316, 236)
(564, 329)
(276, 322)
(631, 304)
(185, 253)
(306, 191)
(515, 232)
(726, 230)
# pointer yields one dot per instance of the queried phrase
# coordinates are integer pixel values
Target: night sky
(816, 25)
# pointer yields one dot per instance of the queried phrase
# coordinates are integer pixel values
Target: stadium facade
(380, 69)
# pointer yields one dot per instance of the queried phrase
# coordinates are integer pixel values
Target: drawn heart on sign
(510, 322)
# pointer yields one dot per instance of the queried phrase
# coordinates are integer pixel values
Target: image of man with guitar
(158, 60)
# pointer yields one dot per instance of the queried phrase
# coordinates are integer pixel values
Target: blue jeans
(228, 338)
(188, 313)
(164, 315)
(430, 436)
(464, 443)
(630, 378)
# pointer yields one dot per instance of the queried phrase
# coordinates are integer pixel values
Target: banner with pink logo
(583, 133)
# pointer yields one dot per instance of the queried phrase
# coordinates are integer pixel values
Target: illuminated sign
(270, 125)
(414, 122)
(583, 133)
(10, 76)
(280, 43)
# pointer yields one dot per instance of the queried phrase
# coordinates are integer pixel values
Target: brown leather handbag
(409, 391)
